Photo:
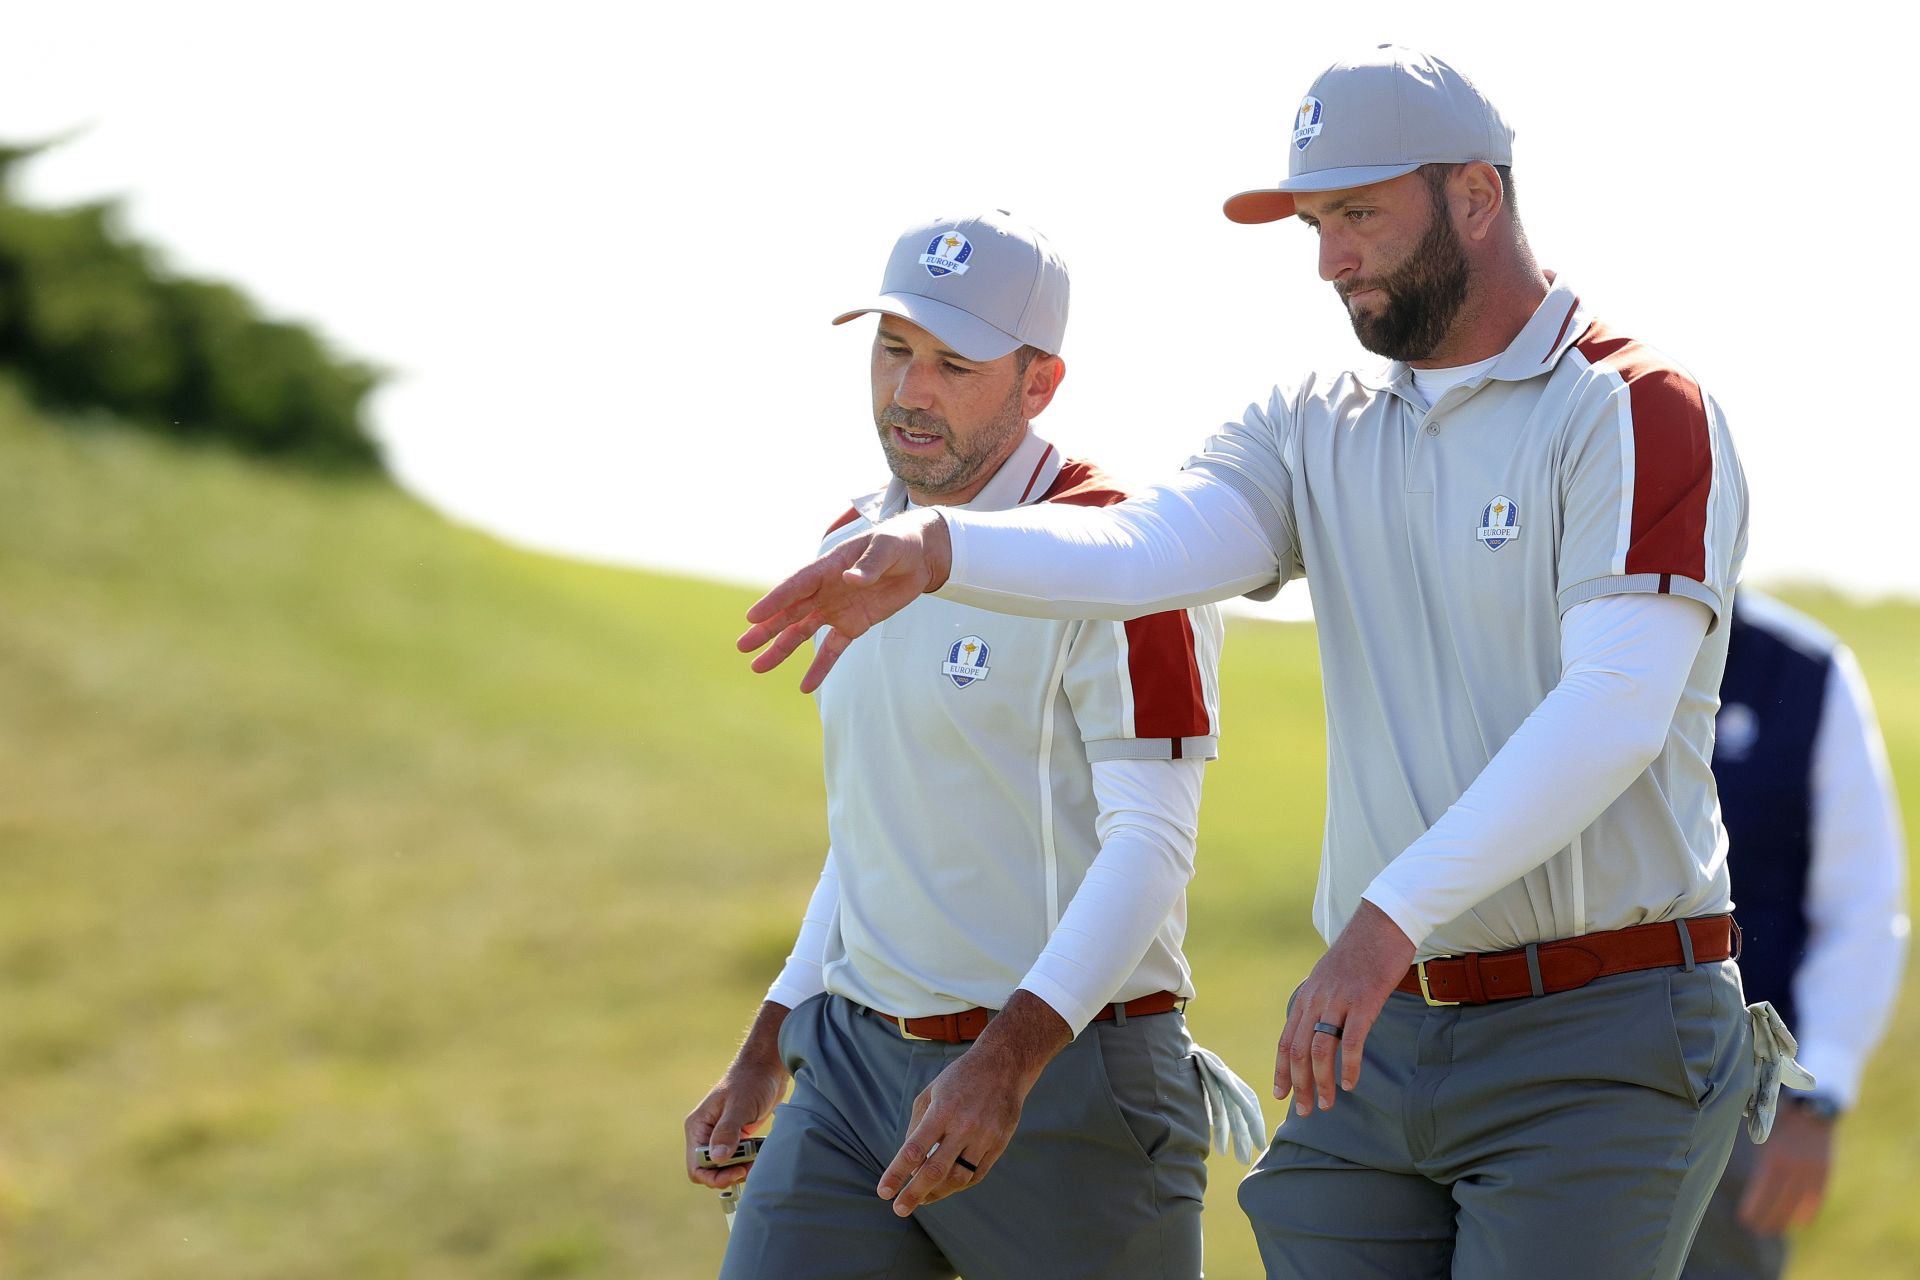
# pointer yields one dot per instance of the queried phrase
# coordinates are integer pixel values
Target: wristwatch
(1817, 1105)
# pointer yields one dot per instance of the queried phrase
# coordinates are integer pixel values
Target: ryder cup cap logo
(947, 255)
(1499, 523)
(1306, 125)
(966, 661)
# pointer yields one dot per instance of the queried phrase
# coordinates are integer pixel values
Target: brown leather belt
(958, 1028)
(1546, 967)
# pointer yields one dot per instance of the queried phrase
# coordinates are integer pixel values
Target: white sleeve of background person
(1856, 904)
(1223, 527)
(1624, 664)
(1149, 819)
(801, 979)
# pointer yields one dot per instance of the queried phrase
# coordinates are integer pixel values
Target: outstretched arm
(1191, 541)
(859, 582)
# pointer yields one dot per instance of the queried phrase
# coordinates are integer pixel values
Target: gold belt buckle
(1426, 992)
(906, 1034)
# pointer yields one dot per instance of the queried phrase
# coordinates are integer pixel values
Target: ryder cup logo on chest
(1306, 123)
(1499, 523)
(947, 255)
(966, 661)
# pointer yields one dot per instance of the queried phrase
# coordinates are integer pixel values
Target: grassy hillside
(375, 899)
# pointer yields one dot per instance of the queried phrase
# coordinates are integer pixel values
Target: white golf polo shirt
(961, 807)
(1442, 546)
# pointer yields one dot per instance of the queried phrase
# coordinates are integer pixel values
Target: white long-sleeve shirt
(1821, 881)
(1856, 893)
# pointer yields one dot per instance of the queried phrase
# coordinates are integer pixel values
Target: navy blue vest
(1770, 704)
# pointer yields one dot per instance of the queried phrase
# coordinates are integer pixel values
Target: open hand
(860, 582)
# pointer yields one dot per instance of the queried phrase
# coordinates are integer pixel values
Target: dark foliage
(92, 319)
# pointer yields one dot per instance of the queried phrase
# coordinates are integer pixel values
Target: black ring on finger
(966, 1164)
(1326, 1028)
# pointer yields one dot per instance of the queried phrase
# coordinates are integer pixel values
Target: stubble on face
(965, 456)
(1422, 295)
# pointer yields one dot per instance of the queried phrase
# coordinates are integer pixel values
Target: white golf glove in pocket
(1774, 1066)
(1233, 1107)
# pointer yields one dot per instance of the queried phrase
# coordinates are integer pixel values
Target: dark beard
(1423, 296)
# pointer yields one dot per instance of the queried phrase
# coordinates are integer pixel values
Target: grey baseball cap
(984, 285)
(1376, 117)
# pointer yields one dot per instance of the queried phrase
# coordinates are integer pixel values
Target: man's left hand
(1346, 989)
(1790, 1178)
(970, 1111)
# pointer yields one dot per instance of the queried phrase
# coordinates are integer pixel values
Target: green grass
(375, 899)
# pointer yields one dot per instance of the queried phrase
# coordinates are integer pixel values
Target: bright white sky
(599, 245)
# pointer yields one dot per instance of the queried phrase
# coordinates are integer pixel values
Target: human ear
(1043, 379)
(1478, 198)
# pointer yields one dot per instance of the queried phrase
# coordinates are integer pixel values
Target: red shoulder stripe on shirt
(846, 518)
(1082, 484)
(1168, 700)
(1672, 456)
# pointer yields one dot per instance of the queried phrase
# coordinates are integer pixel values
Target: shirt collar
(1024, 477)
(1556, 324)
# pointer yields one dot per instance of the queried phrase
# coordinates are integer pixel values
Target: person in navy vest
(1819, 889)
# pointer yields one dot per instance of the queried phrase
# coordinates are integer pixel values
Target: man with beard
(996, 937)
(1521, 538)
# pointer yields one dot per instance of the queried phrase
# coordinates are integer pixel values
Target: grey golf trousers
(1104, 1177)
(1725, 1249)
(1575, 1135)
